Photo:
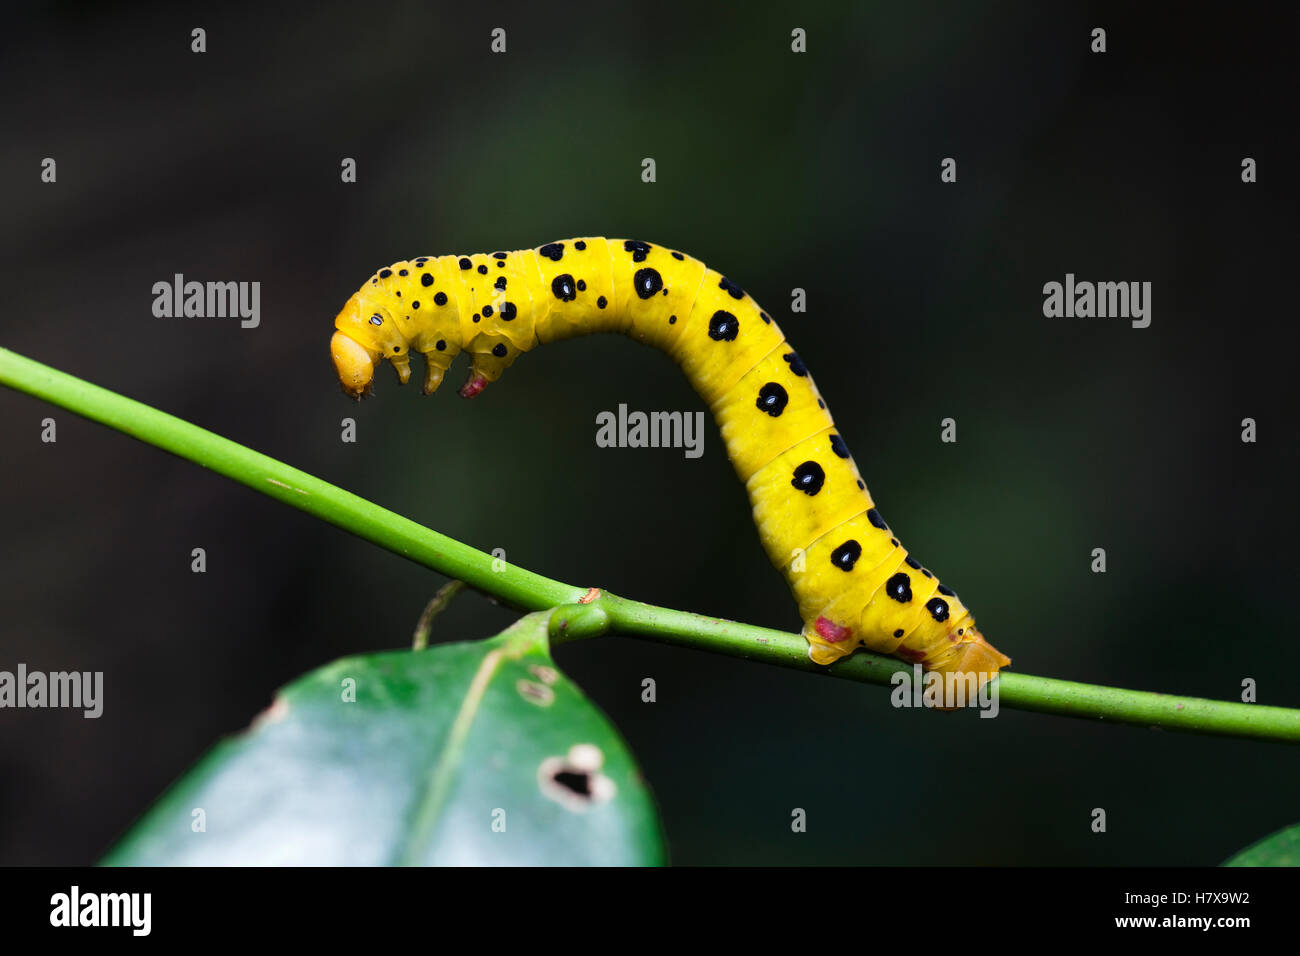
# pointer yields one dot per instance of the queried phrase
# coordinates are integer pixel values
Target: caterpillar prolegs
(854, 583)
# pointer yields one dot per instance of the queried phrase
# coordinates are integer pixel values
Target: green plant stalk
(603, 612)
(400, 535)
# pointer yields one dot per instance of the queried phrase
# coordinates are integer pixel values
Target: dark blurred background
(818, 171)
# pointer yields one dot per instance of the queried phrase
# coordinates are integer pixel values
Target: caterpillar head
(366, 334)
(354, 363)
(378, 324)
(969, 652)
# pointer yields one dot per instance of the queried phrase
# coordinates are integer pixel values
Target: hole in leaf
(579, 783)
(574, 781)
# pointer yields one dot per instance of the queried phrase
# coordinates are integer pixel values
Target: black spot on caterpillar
(814, 514)
(647, 282)
(899, 587)
(723, 327)
(809, 478)
(563, 289)
(735, 291)
(772, 398)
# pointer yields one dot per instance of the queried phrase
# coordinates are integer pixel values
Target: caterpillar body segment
(854, 583)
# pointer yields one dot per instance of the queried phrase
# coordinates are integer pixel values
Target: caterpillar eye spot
(846, 555)
(647, 282)
(563, 289)
(376, 320)
(809, 478)
(938, 609)
(772, 398)
(899, 587)
(723, 327)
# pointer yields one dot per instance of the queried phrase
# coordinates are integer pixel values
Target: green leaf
(1278, 849)
(471, 753)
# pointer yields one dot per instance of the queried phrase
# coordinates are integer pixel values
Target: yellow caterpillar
(855, 584)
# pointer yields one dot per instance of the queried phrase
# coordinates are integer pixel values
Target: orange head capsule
(365, 335)
(354, 363)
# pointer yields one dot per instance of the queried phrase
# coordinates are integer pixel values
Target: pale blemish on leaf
(535, 693)
(547, 675)
(574, 781)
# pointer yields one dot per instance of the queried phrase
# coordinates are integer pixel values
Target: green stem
(606, 612)
(400, 535)
(1044, 695)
